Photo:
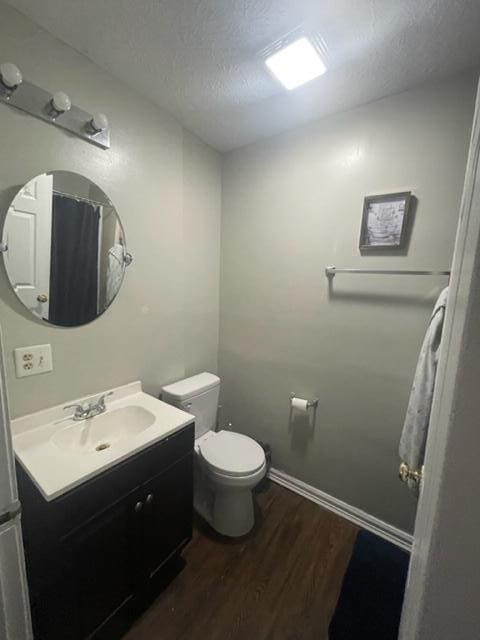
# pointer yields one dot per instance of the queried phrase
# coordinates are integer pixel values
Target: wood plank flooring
(280, 583)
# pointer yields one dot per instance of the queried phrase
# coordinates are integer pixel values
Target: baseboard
(357, 516)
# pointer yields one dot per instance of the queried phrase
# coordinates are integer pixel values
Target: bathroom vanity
(98, 553)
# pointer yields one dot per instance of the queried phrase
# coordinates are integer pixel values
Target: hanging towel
(415, 428)
(115, 270)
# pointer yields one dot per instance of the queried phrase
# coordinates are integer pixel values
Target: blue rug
(370, 602)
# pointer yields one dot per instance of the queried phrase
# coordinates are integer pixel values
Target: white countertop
(56, 469)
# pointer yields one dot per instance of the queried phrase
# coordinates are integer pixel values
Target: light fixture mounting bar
(37, 102)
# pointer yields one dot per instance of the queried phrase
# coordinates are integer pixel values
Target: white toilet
(228, 465)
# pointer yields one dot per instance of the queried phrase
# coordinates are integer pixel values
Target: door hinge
(13, 510)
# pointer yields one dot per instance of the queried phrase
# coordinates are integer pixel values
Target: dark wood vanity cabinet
(98, 555)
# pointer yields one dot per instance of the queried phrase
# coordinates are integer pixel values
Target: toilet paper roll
(300, 404)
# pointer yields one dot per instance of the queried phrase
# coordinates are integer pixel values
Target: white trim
(362, 519)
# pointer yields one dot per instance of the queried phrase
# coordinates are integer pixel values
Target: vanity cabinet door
(106, 568)
(168, 502)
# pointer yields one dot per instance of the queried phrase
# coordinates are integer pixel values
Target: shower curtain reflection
(74, 262)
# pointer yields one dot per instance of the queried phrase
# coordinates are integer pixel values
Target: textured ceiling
(200, 59)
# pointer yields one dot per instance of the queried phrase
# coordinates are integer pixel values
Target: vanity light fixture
(10, 76)
(60, 103)
(30, 98)
(296, 63)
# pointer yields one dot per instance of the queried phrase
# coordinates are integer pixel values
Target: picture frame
(385, 221)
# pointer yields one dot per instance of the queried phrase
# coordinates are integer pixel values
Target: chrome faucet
(89, 409)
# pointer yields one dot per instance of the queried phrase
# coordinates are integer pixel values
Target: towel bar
(331, 272)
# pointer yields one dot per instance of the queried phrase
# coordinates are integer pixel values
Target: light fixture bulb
(296, 64)
(10, 75)
(61, 102)
(99, 122)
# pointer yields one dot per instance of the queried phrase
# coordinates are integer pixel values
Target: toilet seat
(232, 454)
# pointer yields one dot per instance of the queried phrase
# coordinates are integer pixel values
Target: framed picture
(385, 221)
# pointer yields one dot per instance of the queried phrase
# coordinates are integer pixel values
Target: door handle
(42, 297)
(138, 507)
(149, 498)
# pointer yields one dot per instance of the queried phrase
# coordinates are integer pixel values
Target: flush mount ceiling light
(296, 64)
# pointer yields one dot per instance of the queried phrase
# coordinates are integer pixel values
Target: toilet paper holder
(311, 402)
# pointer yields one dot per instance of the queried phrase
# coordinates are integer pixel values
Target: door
(14, 608)
(443, 587)
(168, 500)
(8, 481)
(28, 230)
(14, 611)
(102, 572)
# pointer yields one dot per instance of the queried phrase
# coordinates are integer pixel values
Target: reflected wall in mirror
(64, 248)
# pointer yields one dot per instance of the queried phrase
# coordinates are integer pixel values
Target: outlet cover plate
(30, 361)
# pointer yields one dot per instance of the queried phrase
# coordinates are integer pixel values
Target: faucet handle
(80, 410)
(101, 400)
(73, 406)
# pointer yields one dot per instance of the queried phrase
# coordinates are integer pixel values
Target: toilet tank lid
(192, 386)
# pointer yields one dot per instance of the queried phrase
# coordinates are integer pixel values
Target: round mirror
(64, 248)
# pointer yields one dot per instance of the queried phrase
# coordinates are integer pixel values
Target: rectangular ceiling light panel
(296, 64)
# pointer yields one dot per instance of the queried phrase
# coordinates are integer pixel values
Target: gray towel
(415, 428)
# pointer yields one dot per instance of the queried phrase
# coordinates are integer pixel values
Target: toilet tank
(199, 396)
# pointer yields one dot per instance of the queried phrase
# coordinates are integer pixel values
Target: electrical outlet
(30, 361)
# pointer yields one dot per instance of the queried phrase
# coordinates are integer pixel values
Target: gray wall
(293, 205)
(201, 247)
(146, 333)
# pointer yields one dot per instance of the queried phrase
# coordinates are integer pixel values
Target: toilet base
(230, 513)
(233, 512)
(228, 509)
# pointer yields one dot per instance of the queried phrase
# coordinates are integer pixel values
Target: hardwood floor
(280, 583)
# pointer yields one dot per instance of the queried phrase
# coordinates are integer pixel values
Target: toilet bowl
(228, 465)
(231, 465)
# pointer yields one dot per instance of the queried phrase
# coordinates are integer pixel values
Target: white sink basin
(60, 453)
(98, 434)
